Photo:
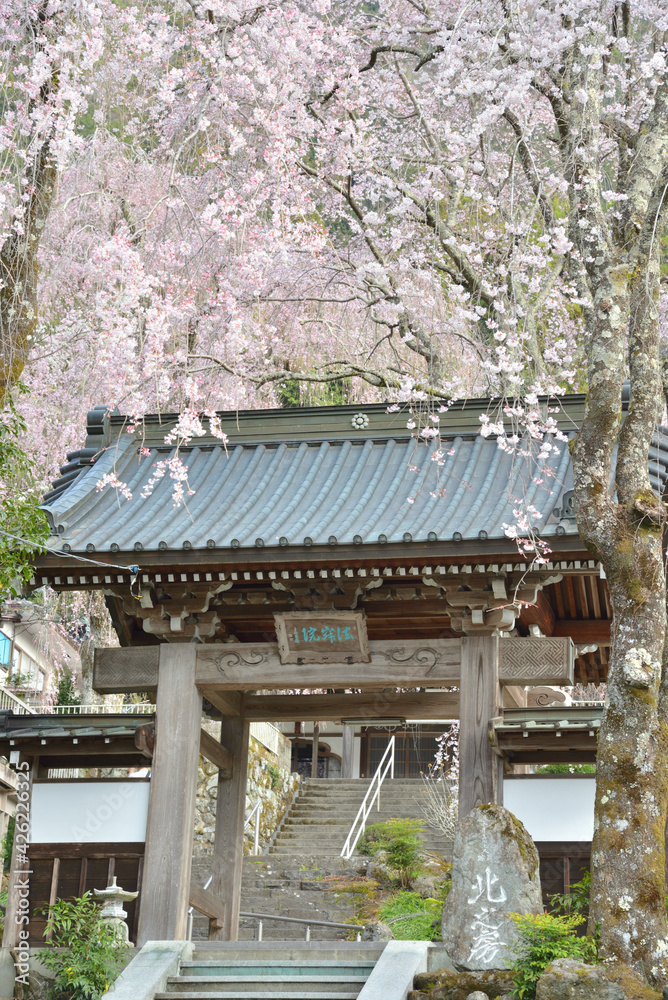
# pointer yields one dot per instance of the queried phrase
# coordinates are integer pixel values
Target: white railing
(255, 812)
(372, 796)
(267, 735)
(9, 702)
(125, 709)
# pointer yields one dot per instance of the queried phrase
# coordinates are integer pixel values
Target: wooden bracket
(217, 754)
(145, 739)
(204, 901)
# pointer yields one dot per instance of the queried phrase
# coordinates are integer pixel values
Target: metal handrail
(261, 917)
(386, 764)
(255, 811)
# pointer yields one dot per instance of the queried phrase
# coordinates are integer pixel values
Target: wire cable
(134, 569)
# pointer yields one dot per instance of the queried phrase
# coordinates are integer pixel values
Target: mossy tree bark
(621, 520)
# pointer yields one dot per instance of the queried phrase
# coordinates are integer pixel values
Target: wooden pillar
(347, 754)
(171, 812)
(479, 701)
(19, 872)
(316, 747)
(228, 846)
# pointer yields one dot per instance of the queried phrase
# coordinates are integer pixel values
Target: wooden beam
(539, 613)
(217, 754)
(135, 759)
(334, 707)
(228, 844)
(536, 660)
(84, 747)
(171, 811)
(348, 752)
(514, 696)
(227, 702)
(125, 669)
(584, 631)
(479, 768)
(20, 865)
(208, 903)
(95, 850)
(145, 739)
(257, 666)
(575, 756)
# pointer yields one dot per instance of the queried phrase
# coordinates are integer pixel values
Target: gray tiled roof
(18, 727)
(324, 485)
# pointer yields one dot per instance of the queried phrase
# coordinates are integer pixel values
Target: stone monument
(495, 872)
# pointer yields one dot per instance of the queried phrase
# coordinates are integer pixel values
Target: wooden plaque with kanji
(321, 637)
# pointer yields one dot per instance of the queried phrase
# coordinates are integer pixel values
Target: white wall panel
(88, 812)
(553, 808)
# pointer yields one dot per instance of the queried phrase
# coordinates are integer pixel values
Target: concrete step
(288, 983)
(301, 951)
(257, 991)
(270, 967)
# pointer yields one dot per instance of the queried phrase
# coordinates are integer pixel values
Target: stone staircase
(323, 813)
(297, 877)
(262, 971)
(289, 886)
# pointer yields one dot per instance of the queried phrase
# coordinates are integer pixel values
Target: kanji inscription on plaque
(319, 637)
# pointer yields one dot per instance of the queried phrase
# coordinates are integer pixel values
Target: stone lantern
(112, 912)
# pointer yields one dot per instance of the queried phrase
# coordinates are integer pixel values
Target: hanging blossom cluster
(178, 472)
(446, 758)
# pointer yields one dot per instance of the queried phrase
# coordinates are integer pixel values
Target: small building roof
(75, 740)
(326, 476)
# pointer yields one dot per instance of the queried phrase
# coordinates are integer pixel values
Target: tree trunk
(628, 856)
(625, 532)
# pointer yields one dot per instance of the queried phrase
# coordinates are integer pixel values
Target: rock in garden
(494, 873)
(477, 995)
(444, 984)
(568, 979)
(379, 869)
(427, 886)
(377, 931)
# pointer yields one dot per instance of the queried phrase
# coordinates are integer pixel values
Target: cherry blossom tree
(413, 200)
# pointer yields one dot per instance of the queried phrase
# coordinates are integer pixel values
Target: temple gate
(326, 566)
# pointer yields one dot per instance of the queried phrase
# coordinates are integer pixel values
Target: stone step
(308, 951)
(258, 991)
(290, 983)
(397, 809)
(269, 967)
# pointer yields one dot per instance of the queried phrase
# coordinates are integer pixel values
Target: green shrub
(542, 938)
(8, 845)
(403, 855)
(274, 773)
(380, 836)
(411, 917)
(86, 952)
(66, 692)
(576, 901)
